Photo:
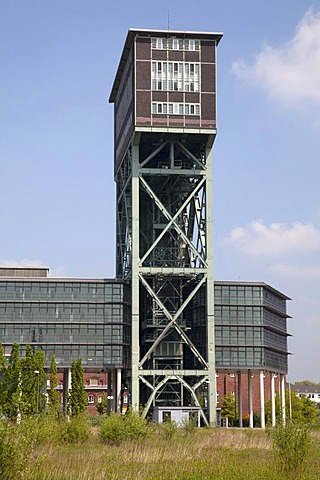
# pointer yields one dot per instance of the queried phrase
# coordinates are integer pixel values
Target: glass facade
(91, 320)
(70, 319)
(250, 327)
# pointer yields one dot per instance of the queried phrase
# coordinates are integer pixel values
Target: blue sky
(58, 59)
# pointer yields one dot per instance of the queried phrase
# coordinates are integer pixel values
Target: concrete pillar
(250, 377)
(272, 400)
(262, 411)
(119, 385)
(240, 400)
(283, 399)
(66, 388)
(109, 392)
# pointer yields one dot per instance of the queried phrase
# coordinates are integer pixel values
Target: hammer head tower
(164, 96)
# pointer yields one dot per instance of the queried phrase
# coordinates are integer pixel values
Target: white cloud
(21, 263)
(55, 272)
(302, 272)
(258, 239)
(291, 72)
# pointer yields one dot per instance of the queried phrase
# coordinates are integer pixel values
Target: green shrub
(190, 424)
(135, 425)
(112, 429)
(15, 449)
(169, 429)
(77, 430)
(292, 444)
(43, 429)
(117, 428)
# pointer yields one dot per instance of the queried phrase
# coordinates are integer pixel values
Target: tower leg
(262, 409)
(250, 399)
(273, 400)
(240, 400)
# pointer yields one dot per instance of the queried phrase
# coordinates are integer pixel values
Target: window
(175, 44)
(175, 108)
(94, 382)
(91, 399)
(175, 76)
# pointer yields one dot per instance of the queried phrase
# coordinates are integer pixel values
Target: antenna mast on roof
(168, 20)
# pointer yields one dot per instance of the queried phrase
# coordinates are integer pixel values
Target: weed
(292, 443)
(15, 450)
(169, 429)
(77, 430)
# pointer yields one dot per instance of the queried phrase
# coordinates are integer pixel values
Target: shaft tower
(165, 126)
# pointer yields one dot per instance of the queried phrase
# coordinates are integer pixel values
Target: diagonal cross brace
(172, 323)
(172, 221)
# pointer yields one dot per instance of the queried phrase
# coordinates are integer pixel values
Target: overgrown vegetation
(39, 446)
(292, 445)
(303, 410)
(116, 429)
(45, 448)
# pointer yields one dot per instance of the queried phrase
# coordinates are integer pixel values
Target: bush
(169, 429)
(112, 429)
(117, 428)
(77, 430)
(135, 426)
(42, 429)
(291, 443)
(190, 424)
(15, 449)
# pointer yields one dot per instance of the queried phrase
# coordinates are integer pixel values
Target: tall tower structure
(164, 97)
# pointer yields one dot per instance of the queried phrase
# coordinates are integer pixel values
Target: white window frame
(175, 76)
(174, 43)
(176, 108)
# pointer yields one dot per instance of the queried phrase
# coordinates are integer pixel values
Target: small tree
(292, 446)
(2, 372)
(77, 396)
(54, 395)
(29, 383)
(40, 363)
(228, 409)
(12, 385)
(303, 410)
(102, 406)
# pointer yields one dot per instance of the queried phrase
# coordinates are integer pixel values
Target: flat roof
(253, 284)
(132, 32)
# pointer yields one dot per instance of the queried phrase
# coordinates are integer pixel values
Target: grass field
(217, 454)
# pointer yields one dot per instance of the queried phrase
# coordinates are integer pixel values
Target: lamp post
(37, 372)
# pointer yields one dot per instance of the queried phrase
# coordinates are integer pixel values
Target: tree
(303, 410)
(306, 383)
(77, 396)
(102, 406)
(12, 385)
(228, 409)
(2, 372)
(54, 395)
(29, 382)
(40, 363)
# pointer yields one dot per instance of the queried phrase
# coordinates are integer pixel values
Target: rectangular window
(175, 44)
(175, 76)
(175, 108)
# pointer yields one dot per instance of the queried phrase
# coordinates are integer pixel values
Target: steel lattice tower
(165, 126)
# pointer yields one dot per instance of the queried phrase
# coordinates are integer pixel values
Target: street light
(37, 372)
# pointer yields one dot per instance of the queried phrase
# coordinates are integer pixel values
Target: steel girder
(164, 247)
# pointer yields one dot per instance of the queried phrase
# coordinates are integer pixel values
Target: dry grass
(205, 454)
